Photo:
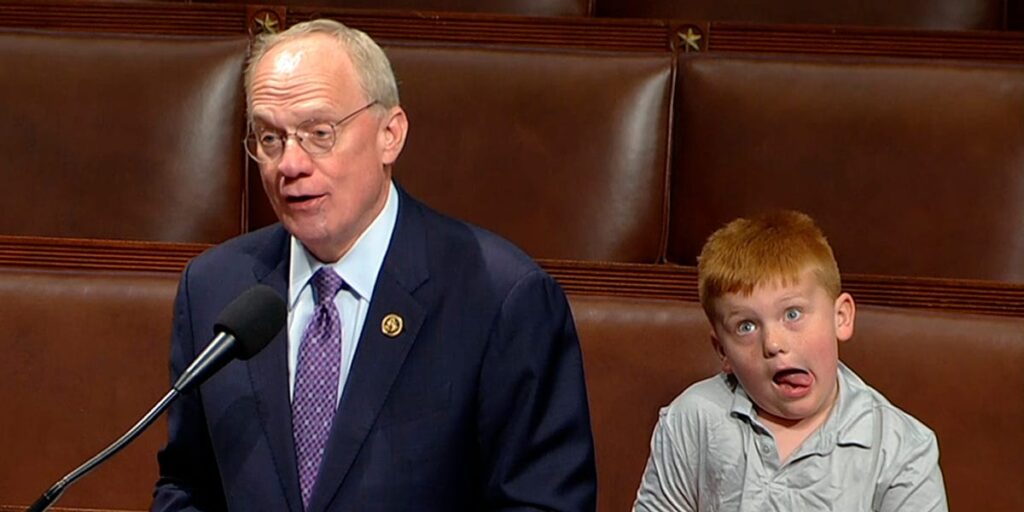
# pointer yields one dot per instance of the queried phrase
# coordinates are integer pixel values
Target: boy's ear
(726, 367)
(845, 311)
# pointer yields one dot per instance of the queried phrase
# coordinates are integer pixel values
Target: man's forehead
(287, 61)
(314, 52)
(309, 76)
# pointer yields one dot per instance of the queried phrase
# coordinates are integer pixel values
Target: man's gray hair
(372, 67)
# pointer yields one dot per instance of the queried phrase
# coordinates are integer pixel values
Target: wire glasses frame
(315, 136)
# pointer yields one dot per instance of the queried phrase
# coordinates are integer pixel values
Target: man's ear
(394, 127)
(717, 344)
(845, 312)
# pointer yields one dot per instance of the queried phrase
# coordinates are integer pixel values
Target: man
(426, 365)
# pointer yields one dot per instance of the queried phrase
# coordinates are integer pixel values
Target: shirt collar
(359, 266)
(742, 405)
(853, 421)
(850, 422)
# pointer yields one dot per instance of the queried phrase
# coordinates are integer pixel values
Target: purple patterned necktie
(316, 380)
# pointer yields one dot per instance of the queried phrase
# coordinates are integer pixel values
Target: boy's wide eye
(793, 314)
(745, 327)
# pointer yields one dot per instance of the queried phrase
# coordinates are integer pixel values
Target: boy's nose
(775, 341)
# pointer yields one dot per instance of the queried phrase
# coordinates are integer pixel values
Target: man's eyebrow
(260, 119)
(318, 114)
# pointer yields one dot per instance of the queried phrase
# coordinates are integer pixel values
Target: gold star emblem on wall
(268, 23)
(690, 40)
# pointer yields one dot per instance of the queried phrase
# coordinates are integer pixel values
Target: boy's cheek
(726, 367)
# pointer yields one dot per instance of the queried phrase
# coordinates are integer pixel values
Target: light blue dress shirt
(710, 453)
(359, 268)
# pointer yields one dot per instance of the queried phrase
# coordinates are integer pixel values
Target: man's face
(781, 344)
(326, 201)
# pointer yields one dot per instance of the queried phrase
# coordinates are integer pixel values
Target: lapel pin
(392, 325)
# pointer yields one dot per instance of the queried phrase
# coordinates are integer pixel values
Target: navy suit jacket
(479, 403)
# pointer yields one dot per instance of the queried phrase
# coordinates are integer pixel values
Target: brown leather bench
(579, 136)
(960, 374)
(85, 356)
(611, 166)
(121, 138)
(114, 148)
(912, 167)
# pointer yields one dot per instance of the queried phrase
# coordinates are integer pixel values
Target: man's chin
(310, 235)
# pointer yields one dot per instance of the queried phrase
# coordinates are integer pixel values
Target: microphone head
(254, 318)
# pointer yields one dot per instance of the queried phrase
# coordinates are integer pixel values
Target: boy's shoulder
(706, 401)
(868, 413)
(702, 422)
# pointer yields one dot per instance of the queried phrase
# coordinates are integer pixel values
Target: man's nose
(295, 161)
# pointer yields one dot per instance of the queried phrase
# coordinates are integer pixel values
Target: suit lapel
(268, 372)
(379, 357)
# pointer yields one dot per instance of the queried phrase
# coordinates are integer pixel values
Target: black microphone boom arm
(58, 488)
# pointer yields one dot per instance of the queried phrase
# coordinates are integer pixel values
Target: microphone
(243, 328)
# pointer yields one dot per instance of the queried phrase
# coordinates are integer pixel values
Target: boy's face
(781, 343)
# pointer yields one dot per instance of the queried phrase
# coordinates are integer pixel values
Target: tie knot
(326, 283)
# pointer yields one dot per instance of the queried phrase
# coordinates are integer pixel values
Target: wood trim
(98, 16)
(675, 282)
(628, 280)
(659, 35)
(89, 254)
(867, 41)
(553, 31)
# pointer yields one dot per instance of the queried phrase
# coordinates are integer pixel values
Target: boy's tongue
(793, 378)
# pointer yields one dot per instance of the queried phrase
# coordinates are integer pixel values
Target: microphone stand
(54, 492)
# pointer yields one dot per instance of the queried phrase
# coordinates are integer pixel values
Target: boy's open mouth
(793, 381)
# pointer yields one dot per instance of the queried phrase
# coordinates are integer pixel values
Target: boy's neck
(791, 434)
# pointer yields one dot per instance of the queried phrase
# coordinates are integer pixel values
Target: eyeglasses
(316, 137)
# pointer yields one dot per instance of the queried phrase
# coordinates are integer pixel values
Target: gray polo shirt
(709, 452)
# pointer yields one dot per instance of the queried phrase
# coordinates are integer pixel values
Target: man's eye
(793, 314)
(746, 327)
(321, 132)
(269, 139)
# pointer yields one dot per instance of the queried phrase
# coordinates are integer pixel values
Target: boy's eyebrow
(792, 296)
(724, 316)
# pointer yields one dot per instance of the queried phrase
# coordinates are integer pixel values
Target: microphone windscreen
(254, 318)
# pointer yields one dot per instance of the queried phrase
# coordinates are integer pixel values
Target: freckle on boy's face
(781, 344)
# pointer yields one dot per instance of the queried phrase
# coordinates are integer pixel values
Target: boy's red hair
(748, 252)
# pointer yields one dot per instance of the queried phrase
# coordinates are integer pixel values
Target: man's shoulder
(457, 244)
(242, 251)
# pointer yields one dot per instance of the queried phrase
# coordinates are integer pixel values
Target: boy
(785, 426)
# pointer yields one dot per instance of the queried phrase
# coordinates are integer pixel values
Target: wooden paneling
(83, 254)
(835, 40)
(125, 17)
(640, 281)
(567, 32)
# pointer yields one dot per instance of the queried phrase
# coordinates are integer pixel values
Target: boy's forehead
(805, 284)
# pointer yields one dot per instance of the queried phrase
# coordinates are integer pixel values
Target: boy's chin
(792, 415)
